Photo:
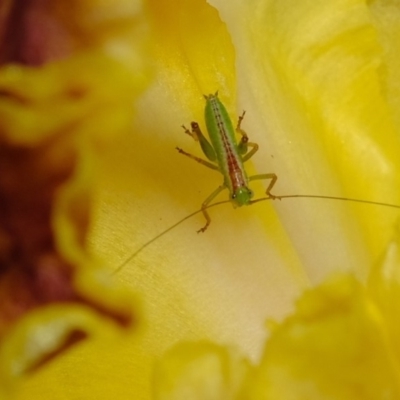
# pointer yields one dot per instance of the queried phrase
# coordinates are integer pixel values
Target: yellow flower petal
(384, 288)
(324, 117)
(193, 52)
(385, 18)
(42, 335)
(147, 186)
(334, 346)
(200, 371)
(215, 285)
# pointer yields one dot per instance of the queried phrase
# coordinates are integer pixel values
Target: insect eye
(194, 125)
(233, 197)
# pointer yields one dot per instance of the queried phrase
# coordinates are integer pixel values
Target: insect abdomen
(222, 136)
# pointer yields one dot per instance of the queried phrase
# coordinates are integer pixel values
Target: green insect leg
(206, 202)
(197, 135)
(198, 159)
(273, 179)
(251, 153)
(244, 141)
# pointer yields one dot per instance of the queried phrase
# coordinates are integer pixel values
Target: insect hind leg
(191, 133)
(198, 136)
(198, 159)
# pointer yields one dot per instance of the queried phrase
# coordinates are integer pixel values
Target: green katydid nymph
(226, 155)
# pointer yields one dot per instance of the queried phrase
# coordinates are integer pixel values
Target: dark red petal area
(30, 33)
(33, 273)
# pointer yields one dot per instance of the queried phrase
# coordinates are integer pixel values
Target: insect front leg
(273, 179)
(206, 202)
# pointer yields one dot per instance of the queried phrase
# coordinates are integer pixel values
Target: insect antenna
(164, 232)
(316, 196)
(287, 196)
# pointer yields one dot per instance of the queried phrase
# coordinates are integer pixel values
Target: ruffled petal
(200, 371)
(334, 346)
(55, 121)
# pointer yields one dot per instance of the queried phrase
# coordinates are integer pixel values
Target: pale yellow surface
(340, 343)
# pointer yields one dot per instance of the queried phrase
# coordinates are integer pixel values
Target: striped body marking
(226, 155)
